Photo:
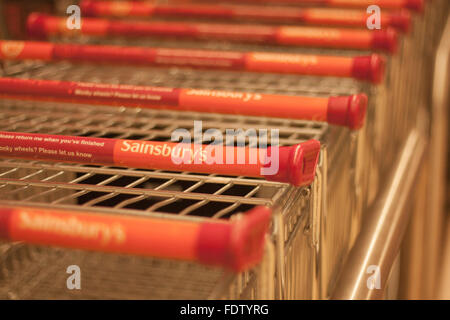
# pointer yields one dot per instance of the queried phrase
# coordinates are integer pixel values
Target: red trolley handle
(42, 26)
(289, 164)
(369, 68)
(236, 245)
(415, 5)
(347, 111)
(311, 16)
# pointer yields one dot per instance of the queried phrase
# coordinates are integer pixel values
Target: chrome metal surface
(383, 228)
(438, 163)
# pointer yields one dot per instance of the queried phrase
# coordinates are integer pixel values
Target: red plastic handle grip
(416, 5)
(294, 164)
(199, 100)
(42, 26)
(236, 245)
(312, 16)
(368, 68)
(400, 20)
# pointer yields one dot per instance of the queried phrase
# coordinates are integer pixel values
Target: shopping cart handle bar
(235, 245)
(308, 16)
(41, 26)
(295, 164)
(416, 5)
(187, 99)
(367, 68)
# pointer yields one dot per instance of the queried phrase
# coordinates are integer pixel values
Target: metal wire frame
(39, 273)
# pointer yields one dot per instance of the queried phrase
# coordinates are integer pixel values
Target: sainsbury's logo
(71, 226)
(11, 49)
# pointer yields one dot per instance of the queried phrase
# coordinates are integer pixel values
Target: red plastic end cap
(386, 40)
(36, 25)
(349, 111)
(238, 245)
(5, 217)
(401, 20)
(247, 238)
(87, 7)
(369, 68)
(296, 164)
(416, 5)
